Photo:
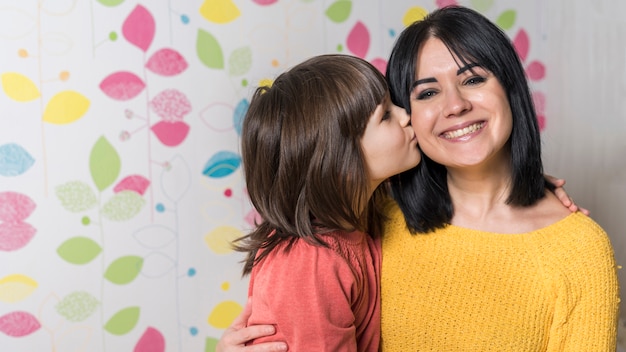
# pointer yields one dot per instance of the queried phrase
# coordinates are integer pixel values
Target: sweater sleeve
(307, 294)
(587, 304)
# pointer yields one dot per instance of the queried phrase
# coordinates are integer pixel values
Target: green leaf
(210, 344)
(77, 306)
(506, 19)
(339, 11)
(124, 269)
(79, 250)
(123, 321)
(110, 3)
(482, 5)
(240, 61)
(209, 50)
(76, 196)
(123, 206)
(104, 164)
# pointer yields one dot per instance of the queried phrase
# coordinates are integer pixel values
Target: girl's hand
(560, 193)
(234, 338)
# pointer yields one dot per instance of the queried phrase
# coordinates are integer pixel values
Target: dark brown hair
(422, 192)
(302, 157)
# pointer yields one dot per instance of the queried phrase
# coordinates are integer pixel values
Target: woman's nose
(456, 103)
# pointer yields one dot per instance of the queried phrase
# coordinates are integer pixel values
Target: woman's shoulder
(579, 226)
(576, 238)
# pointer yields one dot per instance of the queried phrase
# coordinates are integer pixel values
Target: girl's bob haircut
(302, 158)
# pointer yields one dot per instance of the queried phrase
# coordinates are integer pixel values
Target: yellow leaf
(219, 240)
(66, 107)
(16, 287)
(219, 11)
(19, 87)
(224, 313)
(266, 82)
(415, 13)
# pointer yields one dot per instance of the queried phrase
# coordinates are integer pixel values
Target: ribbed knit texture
(553, 289)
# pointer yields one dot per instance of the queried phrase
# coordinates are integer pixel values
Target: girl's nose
(403, 117)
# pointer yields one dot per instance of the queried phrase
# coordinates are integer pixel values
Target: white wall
(585, 139)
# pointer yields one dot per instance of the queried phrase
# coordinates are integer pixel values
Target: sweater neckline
(476, 232)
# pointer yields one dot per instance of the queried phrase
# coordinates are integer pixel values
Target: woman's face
(460, 114)
(388, 143)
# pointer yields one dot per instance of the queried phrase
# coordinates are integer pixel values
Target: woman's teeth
(463, 131)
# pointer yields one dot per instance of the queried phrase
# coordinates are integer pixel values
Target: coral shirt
(320, 299)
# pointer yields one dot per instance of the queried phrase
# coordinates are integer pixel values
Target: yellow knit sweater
(554, 289)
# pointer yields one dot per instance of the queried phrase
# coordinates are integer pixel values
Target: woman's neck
(479, 194)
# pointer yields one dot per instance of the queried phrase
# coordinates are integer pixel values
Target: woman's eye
(475, 80)
(425, 95)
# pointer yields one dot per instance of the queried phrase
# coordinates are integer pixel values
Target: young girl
(316, 146)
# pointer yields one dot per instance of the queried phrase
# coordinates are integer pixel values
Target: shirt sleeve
(307, 293)
(586, 309)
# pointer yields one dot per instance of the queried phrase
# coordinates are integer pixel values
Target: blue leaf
(221, 164)
(14, 160)
(239, 114)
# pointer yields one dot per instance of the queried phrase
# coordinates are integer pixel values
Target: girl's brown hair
(302, 157)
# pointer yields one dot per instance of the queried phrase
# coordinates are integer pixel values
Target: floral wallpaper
(120, 183)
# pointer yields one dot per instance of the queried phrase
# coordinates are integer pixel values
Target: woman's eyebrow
(432, 79)
(466, 67)
(422, 81)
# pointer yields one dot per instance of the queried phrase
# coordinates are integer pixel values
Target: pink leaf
(539, 99)
(522, 44)
(171, 133)
(359, 40)
(151, 341)
(18, 324)
(444, 3)
(541, 119)
(253, 218)
(265, 2)
(171, 105)
(122, 85)
(16, 235)
(138, 28)
(380, 64)
(135, 183)
(15, 207)
(167, 62)
(536, 71)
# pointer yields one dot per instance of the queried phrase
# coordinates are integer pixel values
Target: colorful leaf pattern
(150, 175)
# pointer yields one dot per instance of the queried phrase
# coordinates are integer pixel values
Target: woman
(494, 262)
(477, 255)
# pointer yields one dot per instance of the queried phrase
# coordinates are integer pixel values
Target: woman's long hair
(422, 192)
